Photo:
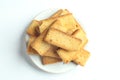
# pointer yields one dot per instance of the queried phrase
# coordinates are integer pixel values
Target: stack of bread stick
(58, 38)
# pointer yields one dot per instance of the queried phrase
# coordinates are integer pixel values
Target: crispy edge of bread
(65, 11)
(49, 60)
(37, 31)
(79, 26)
(81, 35)
(31, 28)
(45, 24)
(62, 40)
(30, 50)
(40, 45)
(68, 23)
(58, 13)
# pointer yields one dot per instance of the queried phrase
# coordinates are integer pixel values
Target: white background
(99, 18)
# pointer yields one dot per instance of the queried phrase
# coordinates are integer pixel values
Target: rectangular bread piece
(82, 57)
(62, 40)
(67, 56)
(49, 60)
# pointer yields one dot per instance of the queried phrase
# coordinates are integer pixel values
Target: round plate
(59, 67)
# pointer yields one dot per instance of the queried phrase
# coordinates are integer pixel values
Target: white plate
(52, 68)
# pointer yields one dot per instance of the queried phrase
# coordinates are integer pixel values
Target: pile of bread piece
(58, 38)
